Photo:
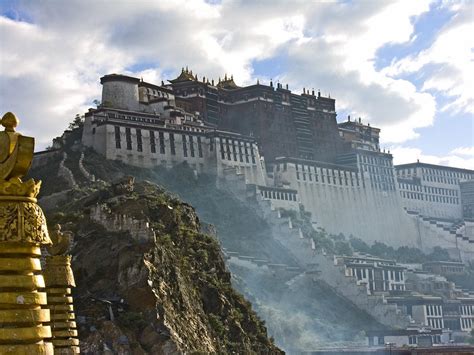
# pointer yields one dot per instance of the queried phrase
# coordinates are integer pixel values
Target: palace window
(234, 151)
(172, 146)
(222, 149)
(227, 149)
(152, 142)
(199, 146)
(191, 145)
(118, 143)
(128, 137)
(139, 140)
(185, 148)
(162, 142)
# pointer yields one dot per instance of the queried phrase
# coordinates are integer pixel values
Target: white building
(432, 190)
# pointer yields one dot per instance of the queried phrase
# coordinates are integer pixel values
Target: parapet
(119, 77)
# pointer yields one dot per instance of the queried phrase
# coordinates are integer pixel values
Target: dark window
(172, 147)
(128, 137)
(199, 146)
(222, 149)
(152, 142)
(118, 143)
(185, 148)
(234, 150)
(191, 145)
(246, 153)
(139, 140)
(227, 149)
(161, 137)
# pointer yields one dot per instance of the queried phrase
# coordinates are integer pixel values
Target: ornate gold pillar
(23, 328)
(59, 280)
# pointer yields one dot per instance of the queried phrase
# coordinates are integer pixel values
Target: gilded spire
(10, 122)
(16, 151)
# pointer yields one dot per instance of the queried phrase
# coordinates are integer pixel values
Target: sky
(406, 67)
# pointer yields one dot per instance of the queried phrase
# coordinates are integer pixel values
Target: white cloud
(469, 151)
(449, 60)
(56, 62)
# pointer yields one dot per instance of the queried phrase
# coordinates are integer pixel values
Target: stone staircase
(66, 173)
(90, 177)
(451, 235)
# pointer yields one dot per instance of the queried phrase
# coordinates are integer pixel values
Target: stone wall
(42, 158)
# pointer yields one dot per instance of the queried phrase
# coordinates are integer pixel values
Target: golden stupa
(24, 316)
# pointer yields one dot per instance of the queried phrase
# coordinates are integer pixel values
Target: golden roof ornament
(21, 219)
(16, 155)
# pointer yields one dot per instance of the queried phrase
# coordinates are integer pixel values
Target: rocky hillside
(170, 293)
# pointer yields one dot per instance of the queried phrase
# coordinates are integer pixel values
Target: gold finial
(10, 122)
(62, 241)
(16, 155)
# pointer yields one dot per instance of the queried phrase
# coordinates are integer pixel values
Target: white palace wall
(342, 206)
(202, 151)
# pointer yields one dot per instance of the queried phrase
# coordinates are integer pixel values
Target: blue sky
(404, 66)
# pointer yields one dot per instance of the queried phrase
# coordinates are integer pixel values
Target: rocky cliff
(170, 293)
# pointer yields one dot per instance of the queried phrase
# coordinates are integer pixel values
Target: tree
(77, 122)
(439, 254)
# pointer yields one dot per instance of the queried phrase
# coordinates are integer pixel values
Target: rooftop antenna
(258, 82)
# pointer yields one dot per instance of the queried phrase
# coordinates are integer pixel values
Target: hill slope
(167, 294)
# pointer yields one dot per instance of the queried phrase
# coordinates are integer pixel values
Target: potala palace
(289, 149)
